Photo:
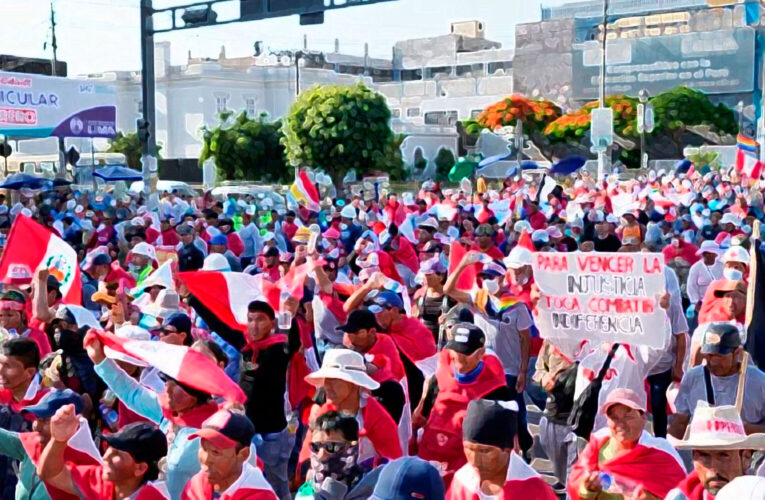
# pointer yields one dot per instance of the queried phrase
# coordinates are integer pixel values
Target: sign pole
(148, 140)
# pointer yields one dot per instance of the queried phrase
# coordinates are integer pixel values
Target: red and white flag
(177, 361)
(748, 165)
(227, 294)
(33, 247)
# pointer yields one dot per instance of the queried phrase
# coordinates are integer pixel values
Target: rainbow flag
(746, 143)
(304, 192)
(506, 301)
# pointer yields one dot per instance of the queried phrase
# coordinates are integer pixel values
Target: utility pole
(53, 72)
(146, 125)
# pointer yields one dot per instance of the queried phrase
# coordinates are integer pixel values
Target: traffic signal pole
(147, 129)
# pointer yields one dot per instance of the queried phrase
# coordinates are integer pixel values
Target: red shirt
(251, 485)
(386, 358)
(88, 479)
(538, 221)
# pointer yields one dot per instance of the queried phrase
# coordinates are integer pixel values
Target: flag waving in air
(748, 165)
(304, 191)
(33, 247)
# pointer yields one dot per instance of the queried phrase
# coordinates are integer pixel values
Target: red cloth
(169, 238)
(87, 479)
(235, 243)
(442, 437)
(639, 465)
(413, 339)
(152, 235)
(712, 308)
(251, 485)
(465, 486)
(289, 229)
(119, 275)
(388, 267)
(386, 358)
(686, 251)
(405, 255)
(192, 418)
(492, 252)
(692, 488)
(6, 398)
(257, 346)
(39, 337)
(538, 221)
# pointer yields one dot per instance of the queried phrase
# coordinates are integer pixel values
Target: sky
(102, 35)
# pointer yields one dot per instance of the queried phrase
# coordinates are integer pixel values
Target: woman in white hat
(703, 273)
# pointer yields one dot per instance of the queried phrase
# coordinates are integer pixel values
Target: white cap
(70, 204)
(348, 211)
(522, 225)
(612, 219)
(429, 222)
(729, 218)
(216, 262)
(144, 249)
(736, 254)
(250, 210)
(708, 246)
(519, 257)
(540, 235)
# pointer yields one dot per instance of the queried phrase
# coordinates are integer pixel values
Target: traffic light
(144, 130)
(72, 156)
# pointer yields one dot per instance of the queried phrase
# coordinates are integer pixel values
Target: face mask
(491, 286)
(343, 226)
(338, 466)
(732, 274)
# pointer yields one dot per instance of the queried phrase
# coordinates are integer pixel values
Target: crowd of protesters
(384, 376)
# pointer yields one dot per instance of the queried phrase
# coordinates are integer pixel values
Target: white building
(430, 84)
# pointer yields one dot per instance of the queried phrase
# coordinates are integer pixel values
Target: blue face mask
(732, 274)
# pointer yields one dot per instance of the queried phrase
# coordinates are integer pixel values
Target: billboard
(715, 62)
(45, 106)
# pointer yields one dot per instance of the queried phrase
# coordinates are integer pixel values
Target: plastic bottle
(109, 415)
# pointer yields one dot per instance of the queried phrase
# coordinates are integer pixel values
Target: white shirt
(700, 276)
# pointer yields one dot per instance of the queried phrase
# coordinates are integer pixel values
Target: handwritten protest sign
(603, 297)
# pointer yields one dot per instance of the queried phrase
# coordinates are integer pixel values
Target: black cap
(101, 259)
(180, 321)
(226, 429)
(144, 441)
(52, 283)
(271, 252)
(490, 423)
(720, 338)
(261, 306)
(360, 319)
(466, 339)
(52, 401)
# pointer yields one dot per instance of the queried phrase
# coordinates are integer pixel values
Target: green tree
(246, 148)
(444, 162)
(338, 128)
(129, 145)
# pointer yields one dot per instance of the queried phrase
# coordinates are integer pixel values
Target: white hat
(137, 221)
(540, 235)
(144, 249)
(131, 332)
(595, 216)
(553, 231)
(708, 246)
(216, 262)
(612, 219)
(166, 303)
(519, 257)
(736, 254)
(429, 222)
(268, 236)
(250, 210)
(348, 211)
(729, 218)
(743, 488)
(522, 225)
(717, 428)
(343, 364)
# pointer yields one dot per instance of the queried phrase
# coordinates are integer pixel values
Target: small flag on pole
(304, 192)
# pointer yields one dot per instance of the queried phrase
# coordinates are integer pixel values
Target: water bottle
(613, 484)
(315, 232)
(109, 415)
(284, 318)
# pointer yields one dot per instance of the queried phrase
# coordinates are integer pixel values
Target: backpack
(585, 408)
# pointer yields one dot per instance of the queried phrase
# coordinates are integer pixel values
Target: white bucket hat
(519, 257)
(736, 254)
(166, 303)
(216, 262)
(717, 428)
(743, 488)
(708, 246)
(343, 364)
(144, 249)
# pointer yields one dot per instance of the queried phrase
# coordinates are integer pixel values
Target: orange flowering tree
(535, 114)
(574, 126)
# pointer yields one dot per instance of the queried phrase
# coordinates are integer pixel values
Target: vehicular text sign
(604, 297)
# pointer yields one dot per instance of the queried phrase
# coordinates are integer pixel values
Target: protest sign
(602, 297)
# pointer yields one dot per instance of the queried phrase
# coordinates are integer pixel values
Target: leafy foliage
(575, 125)
(535, 114)
(684, 107)
(444, 162)
(338, 128)
(246, 148)
(129, 145)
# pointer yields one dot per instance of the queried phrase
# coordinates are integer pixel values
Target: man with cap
(622, 460)
(179, 411)
(350, 229)
(190, 257)
(269, 264)
(335, 472)
(250, 236)
(493, 469)
(484, 242)
(234, 243)
(717, 381)
(94, 271)
(722, 451)
(130, 464)
(176, 329)
(26, 447)
(219, 245)
(362, 334)
(407, 478)
(465, 372)
(346, 388)
(224, 453)
(425, 232)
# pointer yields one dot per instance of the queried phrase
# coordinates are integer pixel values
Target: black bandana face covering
(340, 466)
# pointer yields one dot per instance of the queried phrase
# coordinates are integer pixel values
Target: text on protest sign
(602, 297)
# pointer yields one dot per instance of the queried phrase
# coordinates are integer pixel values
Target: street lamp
(645, 124)
(740, 109)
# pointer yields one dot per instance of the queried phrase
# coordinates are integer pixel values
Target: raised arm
(52, 468)
(450, 287)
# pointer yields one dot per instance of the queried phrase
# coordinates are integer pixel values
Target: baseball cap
(144, 441)
(626, 397)
(493, 269)
(491, 423)
(52, 401)
(360, 319)
(729, 286)
(389, 300)
(271, 252)
(407, 478)
(720, 338)
(101, 259)
(219, 239)
(458, 314)
(184, 229)
(226, 429)
(466, 339)
(180, 321)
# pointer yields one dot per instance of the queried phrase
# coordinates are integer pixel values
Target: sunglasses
(330, 446)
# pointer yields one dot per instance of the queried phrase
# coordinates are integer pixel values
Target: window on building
(475, 112)
(408, 75)
(412, 112)
(249, 106)
(221, 103)
(500, 68)
(439, 71)
(476, 69)
(444, 118)
(396, 112)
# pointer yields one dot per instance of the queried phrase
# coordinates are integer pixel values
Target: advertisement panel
(715, 62)
(45, 106)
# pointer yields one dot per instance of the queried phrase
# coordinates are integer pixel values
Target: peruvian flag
(227, 294)
(748, 165)
(33, 247)
(177, 361)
